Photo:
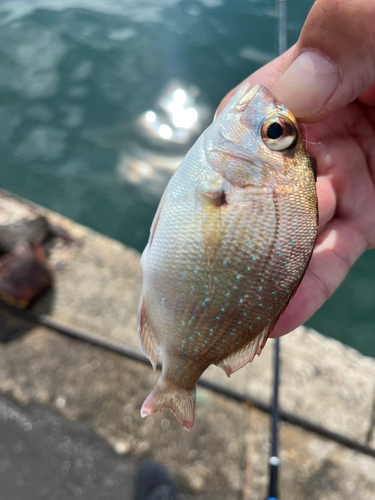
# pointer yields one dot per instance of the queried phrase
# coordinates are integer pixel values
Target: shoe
(153, 482)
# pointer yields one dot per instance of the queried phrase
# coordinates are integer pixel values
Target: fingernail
(307, 84)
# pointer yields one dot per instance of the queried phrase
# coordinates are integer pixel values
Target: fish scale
(229, 245)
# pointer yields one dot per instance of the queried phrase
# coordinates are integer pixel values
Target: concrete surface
(45, 456)
(97, 285)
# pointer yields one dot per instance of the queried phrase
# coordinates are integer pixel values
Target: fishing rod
(82, 334)
(274, 460)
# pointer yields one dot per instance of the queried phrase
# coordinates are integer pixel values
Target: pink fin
(240, 358)
(165, 396)
(147, 340)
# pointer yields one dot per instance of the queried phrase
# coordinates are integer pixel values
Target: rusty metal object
(24, 274)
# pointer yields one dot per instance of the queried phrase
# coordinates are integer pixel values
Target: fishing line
(306, 141)
(274, 458)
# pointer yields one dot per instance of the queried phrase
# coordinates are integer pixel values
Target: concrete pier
(53, 387)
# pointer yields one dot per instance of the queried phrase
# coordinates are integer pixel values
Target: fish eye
(278, 133)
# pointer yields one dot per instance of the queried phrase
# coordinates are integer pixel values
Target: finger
(338, 247)
(267, 76)
(333, 61)
(326, 200)
(368, 96)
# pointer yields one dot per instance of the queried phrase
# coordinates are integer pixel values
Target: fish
(228, 247)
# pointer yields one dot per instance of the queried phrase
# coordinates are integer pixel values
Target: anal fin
(240, 358)
(147, 340)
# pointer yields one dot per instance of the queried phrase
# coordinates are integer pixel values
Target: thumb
(333, 61)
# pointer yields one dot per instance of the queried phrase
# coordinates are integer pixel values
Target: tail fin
(165, 396)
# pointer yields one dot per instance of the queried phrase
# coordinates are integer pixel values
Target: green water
(76, 74)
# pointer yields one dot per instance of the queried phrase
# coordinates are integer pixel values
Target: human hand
(327, 80)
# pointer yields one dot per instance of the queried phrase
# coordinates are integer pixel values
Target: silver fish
(228, 247)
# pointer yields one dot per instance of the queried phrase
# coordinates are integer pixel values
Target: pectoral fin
(211, 198)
